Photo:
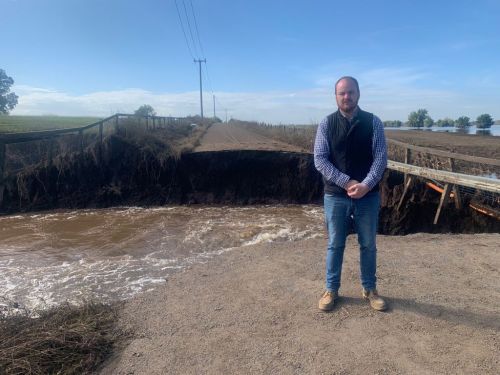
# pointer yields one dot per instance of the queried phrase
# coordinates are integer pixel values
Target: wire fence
(23, 150)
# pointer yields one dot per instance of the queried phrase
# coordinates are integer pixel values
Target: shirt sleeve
(321, 158)
(379, 148)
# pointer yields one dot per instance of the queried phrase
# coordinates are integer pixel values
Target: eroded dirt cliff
(127, 174)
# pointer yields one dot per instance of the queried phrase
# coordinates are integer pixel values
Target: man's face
(347, 95)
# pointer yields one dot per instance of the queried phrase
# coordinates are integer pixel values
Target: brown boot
(376, 302)
(328, 300)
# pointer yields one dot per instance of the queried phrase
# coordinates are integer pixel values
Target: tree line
(421, 119)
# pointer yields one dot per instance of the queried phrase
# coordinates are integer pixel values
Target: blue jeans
(341, 212)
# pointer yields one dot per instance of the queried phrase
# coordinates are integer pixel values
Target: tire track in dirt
(224, 137)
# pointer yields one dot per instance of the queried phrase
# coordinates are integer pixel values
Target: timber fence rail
(475, 182)
(454, 184)
(109, 124)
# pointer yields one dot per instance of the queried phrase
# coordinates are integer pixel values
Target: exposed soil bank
(129, 175)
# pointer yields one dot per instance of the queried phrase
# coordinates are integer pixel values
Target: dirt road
(254, 311)
(220, 137)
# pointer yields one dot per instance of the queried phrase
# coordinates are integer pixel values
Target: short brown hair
(347, 77)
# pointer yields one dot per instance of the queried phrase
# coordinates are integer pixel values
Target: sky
(267, 61)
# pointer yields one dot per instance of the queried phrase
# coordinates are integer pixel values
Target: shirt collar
(354, 115)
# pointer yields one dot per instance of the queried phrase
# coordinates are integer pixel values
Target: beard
(348, 105)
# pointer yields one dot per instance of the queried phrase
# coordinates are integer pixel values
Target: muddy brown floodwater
(48, 258)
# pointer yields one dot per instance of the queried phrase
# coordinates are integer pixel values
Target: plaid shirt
(332, 174)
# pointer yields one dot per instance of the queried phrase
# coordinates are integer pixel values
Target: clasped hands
(356, 189)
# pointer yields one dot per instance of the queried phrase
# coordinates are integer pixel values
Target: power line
(196, 26)
(189, 27)
(197, 47)
(201, 47)
(183, 31)
(200, 44)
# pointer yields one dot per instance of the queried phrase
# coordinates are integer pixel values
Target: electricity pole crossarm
(201, 85)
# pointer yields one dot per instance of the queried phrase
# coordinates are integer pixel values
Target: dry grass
(62, 340)
(172, 140)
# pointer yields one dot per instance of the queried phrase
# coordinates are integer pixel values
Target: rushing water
(109, 254)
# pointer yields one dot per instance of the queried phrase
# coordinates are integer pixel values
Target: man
(351, 154)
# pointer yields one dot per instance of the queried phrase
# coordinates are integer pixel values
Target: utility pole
(214, 105)
(201, 86)
(226, 115)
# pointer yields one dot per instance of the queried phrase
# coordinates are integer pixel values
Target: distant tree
(428, 122)
(462, 122)
(8, 100)
(416, 119)
(392, 124)
(145, 110)
(484, 121)
(446, 122)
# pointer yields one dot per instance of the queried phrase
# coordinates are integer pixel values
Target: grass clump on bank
(63, 340)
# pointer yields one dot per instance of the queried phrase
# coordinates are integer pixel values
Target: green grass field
(16, 124)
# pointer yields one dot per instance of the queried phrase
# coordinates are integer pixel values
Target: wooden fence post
(2, 169)
(80, 141)
(100, 143)
(50, 152)
(405, 190)
(407, 161)
(455, 189)
(442, 201)
(100, 132)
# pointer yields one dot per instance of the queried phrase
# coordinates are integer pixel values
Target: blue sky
(271, 61)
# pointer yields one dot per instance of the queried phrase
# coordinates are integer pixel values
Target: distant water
(493, 131)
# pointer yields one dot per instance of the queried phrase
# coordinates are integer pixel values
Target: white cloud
(391, 93)
(285, 107)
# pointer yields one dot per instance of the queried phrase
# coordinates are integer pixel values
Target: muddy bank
(418, 210)
(122, 173)
(130, 175)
